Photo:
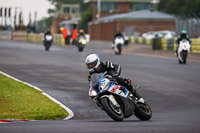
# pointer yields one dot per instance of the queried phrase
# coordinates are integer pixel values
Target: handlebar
(110, 77)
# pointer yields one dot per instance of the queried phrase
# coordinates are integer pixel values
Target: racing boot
(126, 82)
(134, 91)
(139, 97)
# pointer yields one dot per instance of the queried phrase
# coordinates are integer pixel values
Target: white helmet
(92, 61)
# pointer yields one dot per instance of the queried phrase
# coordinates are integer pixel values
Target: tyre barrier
(195, 45)
(165, 44)
(35, 38)
(38, 38)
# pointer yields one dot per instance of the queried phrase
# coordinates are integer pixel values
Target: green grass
(20, 101)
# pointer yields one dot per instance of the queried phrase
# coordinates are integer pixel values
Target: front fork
(111, 99)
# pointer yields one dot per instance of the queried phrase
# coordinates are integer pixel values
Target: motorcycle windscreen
(95, 78)
(48, 37)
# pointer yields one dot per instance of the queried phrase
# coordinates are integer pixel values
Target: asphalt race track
(171, 89)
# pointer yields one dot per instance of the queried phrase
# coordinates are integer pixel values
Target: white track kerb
(71, 114)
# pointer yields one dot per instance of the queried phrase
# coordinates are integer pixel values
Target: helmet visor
(92, 64)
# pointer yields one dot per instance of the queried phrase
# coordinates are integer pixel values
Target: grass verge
(20, 101)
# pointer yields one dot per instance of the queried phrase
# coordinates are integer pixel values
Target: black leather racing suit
(118, 35)
(115, 70)
(181, 37)
(47, 33)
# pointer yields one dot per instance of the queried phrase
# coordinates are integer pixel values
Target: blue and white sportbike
(116, 100)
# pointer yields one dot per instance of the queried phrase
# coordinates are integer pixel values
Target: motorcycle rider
(47, 33)
(81, 34)
(94, 65)
(118, 34)
(181, 37)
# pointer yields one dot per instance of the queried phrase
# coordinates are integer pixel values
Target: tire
(119, 48)
(115, 114)
(143, 112)
(80, 49)
(185, 54)
(179, 61)
(47, 46)
(181, 55)
(184, 61)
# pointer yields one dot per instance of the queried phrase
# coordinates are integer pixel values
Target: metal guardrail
(190, 24)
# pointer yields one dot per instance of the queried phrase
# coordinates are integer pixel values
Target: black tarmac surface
(171, 89)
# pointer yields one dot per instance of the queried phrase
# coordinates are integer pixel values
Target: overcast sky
(41, 6)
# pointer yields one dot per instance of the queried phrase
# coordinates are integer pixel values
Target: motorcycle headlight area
(92, 92)
(181, 45)
(84, 42)
(48, 37)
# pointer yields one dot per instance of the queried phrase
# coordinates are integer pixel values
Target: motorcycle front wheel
(80, 48)
(185, 54)
(115, 113)
(119, 49)
(47, 46)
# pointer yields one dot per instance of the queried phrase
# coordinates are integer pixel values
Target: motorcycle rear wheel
(143, 111)
(115, 113)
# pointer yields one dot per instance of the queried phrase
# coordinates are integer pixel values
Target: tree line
(188, 8)
(185, 8)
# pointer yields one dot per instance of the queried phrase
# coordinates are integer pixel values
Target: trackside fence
(157, 43)
(30, 37)
(165, 44)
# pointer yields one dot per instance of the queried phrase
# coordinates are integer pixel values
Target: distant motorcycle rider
(48, 39)
(96, 66)
(118, 34)
(81, 34)
(181, 37)
(47, 33)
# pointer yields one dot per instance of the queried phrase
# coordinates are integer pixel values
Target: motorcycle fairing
(92, 92)
(48, 37)
(183, 46)
(128, 107)
(105, 84)
(119, 90)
